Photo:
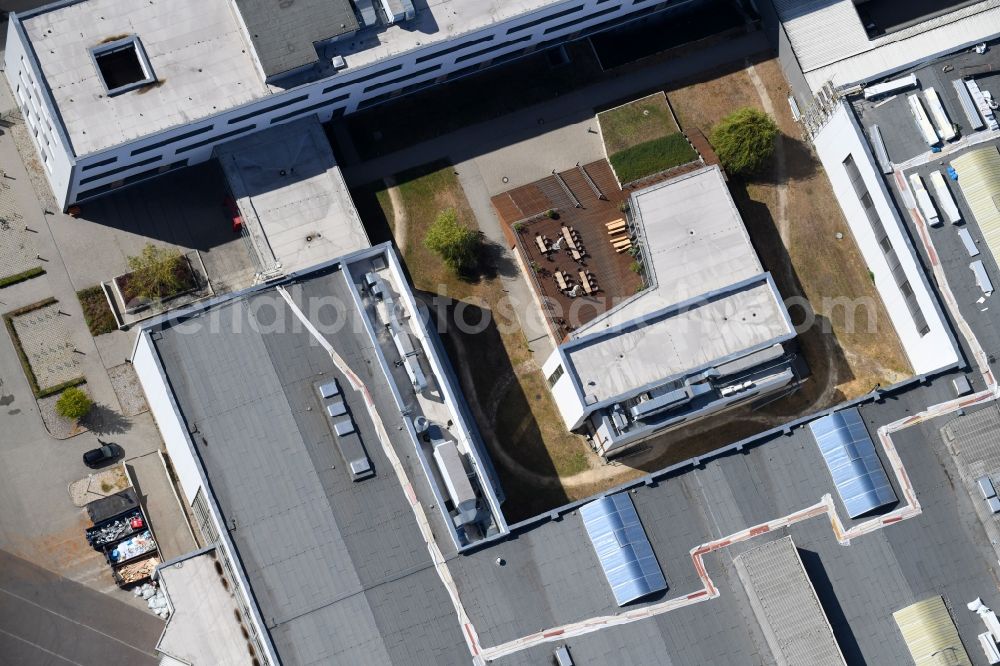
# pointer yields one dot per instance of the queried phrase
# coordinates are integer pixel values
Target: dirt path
(400, 221)
(780, 170)
(781, 219)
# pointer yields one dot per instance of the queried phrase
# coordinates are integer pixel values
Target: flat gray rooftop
(292, 196)
(703, 303)
(201, 624)
(339, 569)
(552, 578)
(694, 242)
(195, 48)
(284, 33)
(674, 341)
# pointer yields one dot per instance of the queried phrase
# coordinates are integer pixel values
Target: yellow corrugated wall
(979, 179)
(930, 634)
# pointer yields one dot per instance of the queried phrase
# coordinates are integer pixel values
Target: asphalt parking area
(48, 619)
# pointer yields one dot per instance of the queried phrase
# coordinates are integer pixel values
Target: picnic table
(576, 255)
(561, 280)
(585, 281)
(568, 235)
(542, 247)
(615, 225)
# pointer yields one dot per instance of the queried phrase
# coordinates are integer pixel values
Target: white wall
(168, 418)
(36, 106)
(346, 98)
(841, 137)
(564, 393)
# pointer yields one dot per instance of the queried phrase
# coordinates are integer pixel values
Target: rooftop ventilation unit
(660, 403)
(397, 11)
(890, 87)
(944, 198)
(456, 479)
(924, 124)
(369, 17)
(968, 106)
(924, 200)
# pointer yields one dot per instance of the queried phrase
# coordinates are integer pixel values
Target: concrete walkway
(39, 521)
(518, 291)
(56, 282)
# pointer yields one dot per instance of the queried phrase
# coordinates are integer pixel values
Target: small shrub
(157, 273)
(635, 267)
(73, 404)
(519, 227)
(744, 140)
(455, 243)
(552, 214)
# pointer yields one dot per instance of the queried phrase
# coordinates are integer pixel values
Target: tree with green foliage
(157, 273)
(455, 243)
(73, 404)
(744, 140)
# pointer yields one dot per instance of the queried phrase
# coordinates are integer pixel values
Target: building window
(556, 376)
(201, 515)
(123, 65)
(882, 238)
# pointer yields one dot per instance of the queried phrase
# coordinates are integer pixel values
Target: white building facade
(204, 87)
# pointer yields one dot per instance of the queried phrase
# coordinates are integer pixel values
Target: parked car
(106, 454)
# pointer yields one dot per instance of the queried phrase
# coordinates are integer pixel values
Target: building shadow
(513, 87)
(831, 605)
(819, 344)
(499, 405)
(183, 208)
(371, 213)
(800, 163)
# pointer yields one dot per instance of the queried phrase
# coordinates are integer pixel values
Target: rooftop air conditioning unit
(338, 62)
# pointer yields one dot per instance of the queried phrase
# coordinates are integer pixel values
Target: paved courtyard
(45, 338)
(17, 249)
(127, 388)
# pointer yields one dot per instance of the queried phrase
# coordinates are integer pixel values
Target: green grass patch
(96, 311)
(426, 192)
(652, 157)
(21, 277)
(8, 320)
(635, 123)
(385, 203)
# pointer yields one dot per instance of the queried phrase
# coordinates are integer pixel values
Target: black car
(106, 454)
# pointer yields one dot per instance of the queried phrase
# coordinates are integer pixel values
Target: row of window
(891, 258)
(375, 99)
(130, 180)
(31, 105)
